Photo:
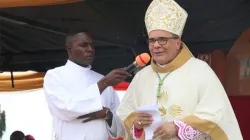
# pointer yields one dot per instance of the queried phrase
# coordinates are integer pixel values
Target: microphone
(140, 61)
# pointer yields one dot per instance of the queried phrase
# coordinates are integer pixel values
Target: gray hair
(177, 37)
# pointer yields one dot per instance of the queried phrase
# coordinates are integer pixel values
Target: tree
(2, 124)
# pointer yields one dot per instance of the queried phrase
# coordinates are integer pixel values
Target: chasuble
(188, 92)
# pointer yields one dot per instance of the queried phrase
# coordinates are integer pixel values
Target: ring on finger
(139, 122)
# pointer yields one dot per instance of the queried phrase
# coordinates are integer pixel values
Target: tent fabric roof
(20, 3)
(21, 81)
(33, 38)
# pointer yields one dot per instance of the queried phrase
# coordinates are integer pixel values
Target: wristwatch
(108, 114)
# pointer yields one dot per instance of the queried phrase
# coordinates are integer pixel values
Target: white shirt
(72, 91)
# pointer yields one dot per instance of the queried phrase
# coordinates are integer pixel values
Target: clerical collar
(161, 65)
(78, 67)
(180, 60)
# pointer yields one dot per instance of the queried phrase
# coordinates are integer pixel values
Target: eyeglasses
(160, 40)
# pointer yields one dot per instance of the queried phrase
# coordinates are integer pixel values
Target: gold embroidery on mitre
(174, 110)
(165, 15)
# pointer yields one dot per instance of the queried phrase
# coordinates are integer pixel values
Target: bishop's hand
(165, 131)
(142, 120)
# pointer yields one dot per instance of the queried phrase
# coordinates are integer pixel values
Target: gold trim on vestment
(180, 60)
(207, 127)
(128, 122)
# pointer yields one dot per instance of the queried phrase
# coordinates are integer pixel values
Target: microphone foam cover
(142, 59)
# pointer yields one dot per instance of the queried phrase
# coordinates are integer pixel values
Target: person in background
(29, 137)
(17, 135)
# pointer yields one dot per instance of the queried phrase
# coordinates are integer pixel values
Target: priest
(81, 101)
(192, 101)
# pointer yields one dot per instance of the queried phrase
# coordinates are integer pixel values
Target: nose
(90, 48)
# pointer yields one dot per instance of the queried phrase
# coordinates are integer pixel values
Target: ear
(178, 44)
(68, 48)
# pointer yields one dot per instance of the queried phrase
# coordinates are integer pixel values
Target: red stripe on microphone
(142, 59)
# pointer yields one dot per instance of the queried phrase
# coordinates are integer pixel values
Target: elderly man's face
(163, 47)
(81, 50)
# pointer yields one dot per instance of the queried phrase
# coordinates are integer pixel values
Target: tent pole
(12, 78)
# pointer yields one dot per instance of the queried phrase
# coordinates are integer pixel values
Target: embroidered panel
(205, 57)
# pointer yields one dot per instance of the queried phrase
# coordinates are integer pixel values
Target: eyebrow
(152, 38)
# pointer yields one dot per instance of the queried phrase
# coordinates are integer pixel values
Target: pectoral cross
(159, 89)
(160, 83)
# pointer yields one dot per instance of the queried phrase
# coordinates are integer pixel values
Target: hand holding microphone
(117, 76)
(140, 61)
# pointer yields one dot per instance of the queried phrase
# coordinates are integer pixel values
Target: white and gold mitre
(165, 15)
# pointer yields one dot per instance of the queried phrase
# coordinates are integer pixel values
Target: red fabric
(121, 86)
(29, 137)
(241, 106)
(138, 132)
(177, 129)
